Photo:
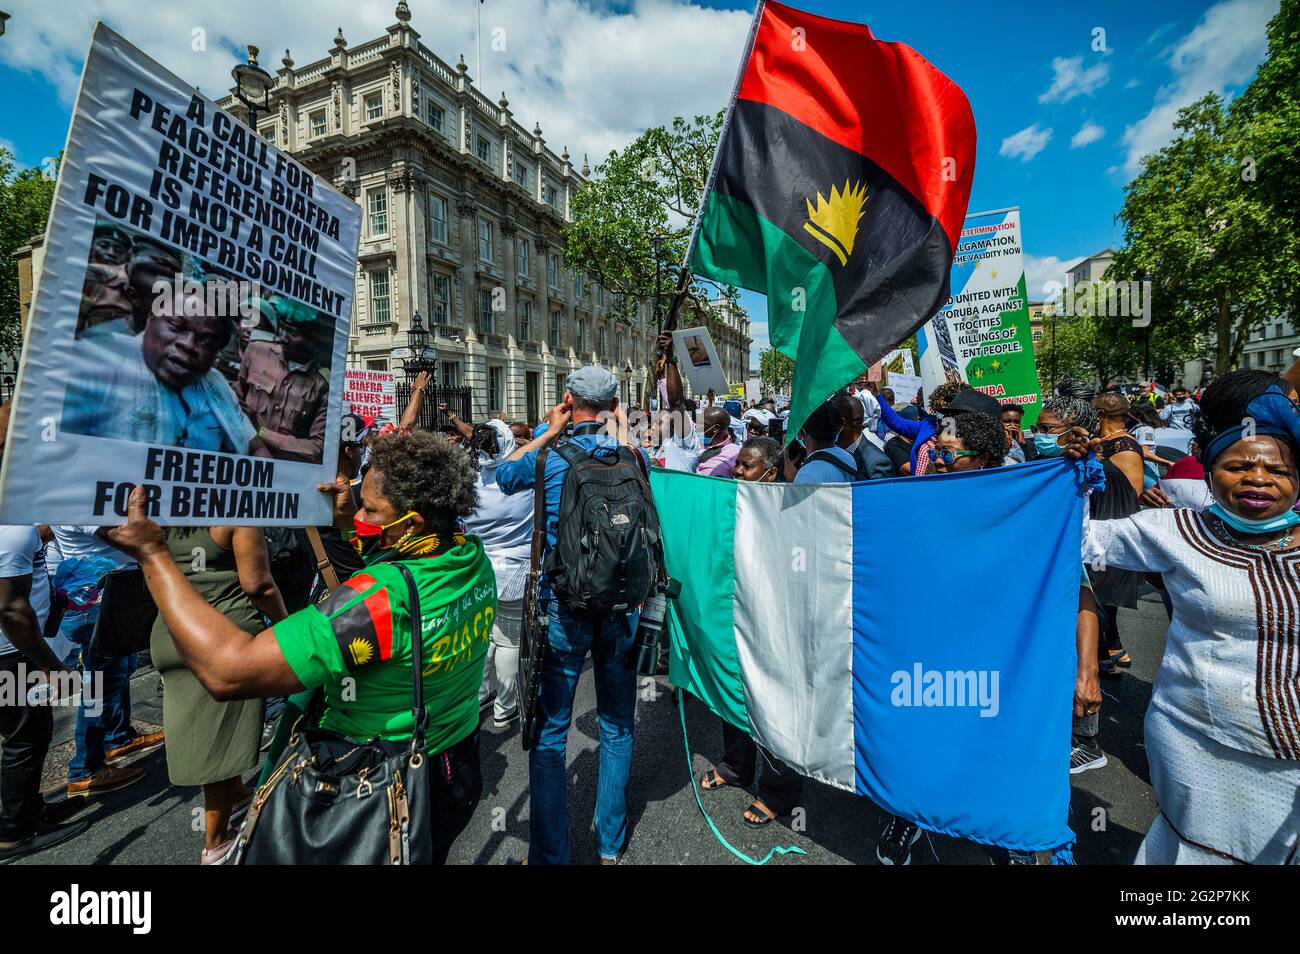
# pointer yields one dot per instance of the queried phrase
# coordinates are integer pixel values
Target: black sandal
(712, 781)
(756, 810)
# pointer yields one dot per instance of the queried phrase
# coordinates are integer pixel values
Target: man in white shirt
(679, 443)
(26, 724)
(505, 526)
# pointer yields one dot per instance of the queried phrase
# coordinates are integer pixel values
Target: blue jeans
(548, 821)
(103, 719)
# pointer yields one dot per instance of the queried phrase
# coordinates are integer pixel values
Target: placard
(189, 329)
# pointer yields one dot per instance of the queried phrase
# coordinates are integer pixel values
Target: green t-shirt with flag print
(356, 645)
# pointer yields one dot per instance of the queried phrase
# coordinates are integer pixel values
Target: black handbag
(335, 801)
(533, 634)
(126, 615)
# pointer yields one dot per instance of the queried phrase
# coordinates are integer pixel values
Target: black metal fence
(458, 399)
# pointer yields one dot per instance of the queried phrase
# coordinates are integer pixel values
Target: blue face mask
(1047, 446)
(1245, 525)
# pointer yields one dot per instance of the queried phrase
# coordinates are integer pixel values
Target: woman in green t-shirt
(355, 646)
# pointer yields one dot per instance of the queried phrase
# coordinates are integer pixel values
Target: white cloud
(1071, 79)
(593, 78)
(1088, 132)
(1041, 269)
(1134, 83)
(1220, 52)
(1025, 144)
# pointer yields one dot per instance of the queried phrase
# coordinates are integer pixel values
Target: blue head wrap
(1272, 414)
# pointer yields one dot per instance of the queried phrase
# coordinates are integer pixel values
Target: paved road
(154, 823)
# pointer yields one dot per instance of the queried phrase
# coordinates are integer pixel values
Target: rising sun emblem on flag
(834, 223)
(361, 651)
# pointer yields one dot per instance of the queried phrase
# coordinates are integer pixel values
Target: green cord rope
(690, 770)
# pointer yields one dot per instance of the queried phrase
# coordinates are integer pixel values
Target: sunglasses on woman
(949, 457)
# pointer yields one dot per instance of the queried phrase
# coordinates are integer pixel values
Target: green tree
(639, 209)
(775, 372)
(25, 199)
(1211, 218)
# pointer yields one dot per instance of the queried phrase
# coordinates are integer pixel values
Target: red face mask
(366, 529)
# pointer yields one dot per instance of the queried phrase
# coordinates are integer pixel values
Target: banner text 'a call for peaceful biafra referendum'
(189, 329)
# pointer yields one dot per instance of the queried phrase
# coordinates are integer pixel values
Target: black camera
(644, 654)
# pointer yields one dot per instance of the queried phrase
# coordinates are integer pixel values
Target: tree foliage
(639, 208)
(25, 199)
(1211, 218)
(775, 372)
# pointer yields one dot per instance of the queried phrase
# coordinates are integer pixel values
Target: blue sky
(1061, 125)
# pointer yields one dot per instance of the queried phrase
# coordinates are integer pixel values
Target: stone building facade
(464, 213)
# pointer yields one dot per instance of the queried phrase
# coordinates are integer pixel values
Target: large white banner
(189, 330)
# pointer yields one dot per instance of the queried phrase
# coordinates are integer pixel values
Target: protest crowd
(330, 640)
(263, 637)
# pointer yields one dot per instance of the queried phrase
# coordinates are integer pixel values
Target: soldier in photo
(282, 386)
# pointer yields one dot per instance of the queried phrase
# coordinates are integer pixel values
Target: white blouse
(1232, 659)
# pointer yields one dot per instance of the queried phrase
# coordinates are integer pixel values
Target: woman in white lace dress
(1223, 729)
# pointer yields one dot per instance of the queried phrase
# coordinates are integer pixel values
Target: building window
(532, 396)
(379, 313)
(552, 197)
(318, 124)
(600, 340)
(440, 298)
(521, 174)
(377, 207)
(580, 334)
(438, 218)
(1038, 335)
(521, 256)
(485, 240)
(556, 318)
(496, 378)
(561, 385)
(553, 270)
(268, 133)
(436, 116)
(484, 150)
(600, 296)
(374, 104)
(486, 323)
(451, 374)
(577, 286)
(525, 320)
(376, 364)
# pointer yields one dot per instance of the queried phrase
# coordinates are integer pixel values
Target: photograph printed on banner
(172, 351)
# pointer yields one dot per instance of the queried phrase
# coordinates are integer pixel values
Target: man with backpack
(602, 559)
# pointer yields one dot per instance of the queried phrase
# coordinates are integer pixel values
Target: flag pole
(684, 279)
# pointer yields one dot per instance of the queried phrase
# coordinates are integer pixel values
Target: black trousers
(26, 732)
(779, 787)
(457, 786)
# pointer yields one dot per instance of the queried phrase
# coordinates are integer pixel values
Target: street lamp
(253, 86)
(417, 356)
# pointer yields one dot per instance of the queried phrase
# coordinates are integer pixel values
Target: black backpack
(607, 553)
